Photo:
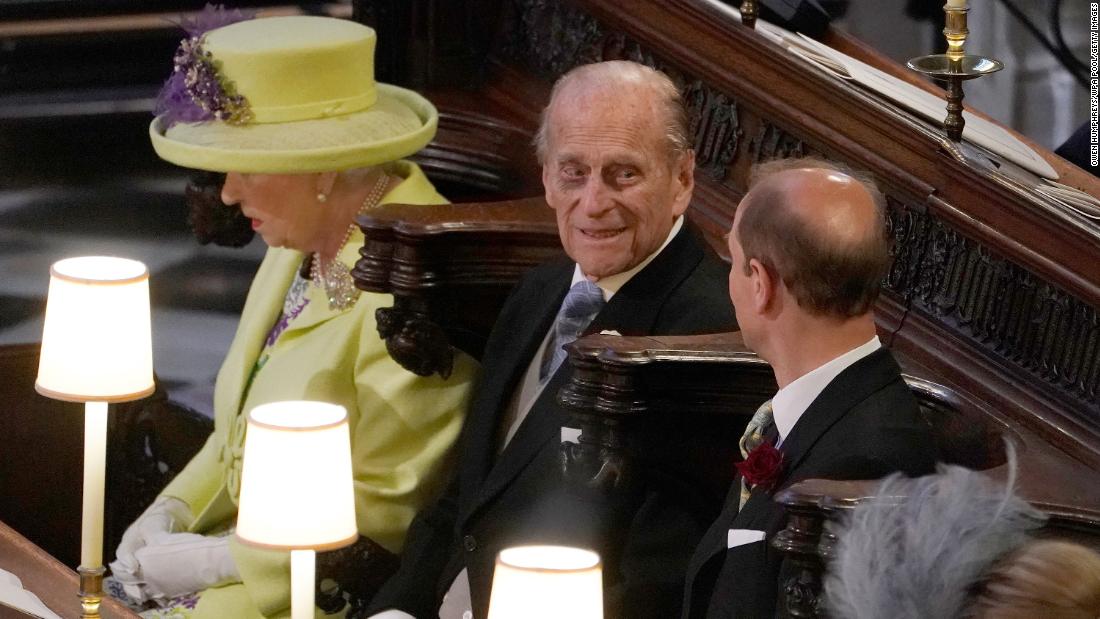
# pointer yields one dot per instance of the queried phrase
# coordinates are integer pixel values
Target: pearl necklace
(331, 275)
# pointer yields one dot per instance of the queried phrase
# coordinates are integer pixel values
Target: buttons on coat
(232, 455)
(469, 543)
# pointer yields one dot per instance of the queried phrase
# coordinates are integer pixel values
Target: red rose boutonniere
(762, 467)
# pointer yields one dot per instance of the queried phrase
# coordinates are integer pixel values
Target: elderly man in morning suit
(618, 171)
(808, 250)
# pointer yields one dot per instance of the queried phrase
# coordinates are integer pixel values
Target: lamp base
(91, 590)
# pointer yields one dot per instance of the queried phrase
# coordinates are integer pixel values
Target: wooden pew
(994, 291)
(992, 303)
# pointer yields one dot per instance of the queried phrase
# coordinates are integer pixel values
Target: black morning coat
(864, 425)
(517, 497)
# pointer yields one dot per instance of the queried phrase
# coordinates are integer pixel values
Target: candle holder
(749, 12)
(91, 591)
(96, 349)
(955, 66)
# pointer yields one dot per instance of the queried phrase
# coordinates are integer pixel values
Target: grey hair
(356, 176)
(611, 72)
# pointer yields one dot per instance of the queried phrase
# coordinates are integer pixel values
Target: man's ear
(763, 286)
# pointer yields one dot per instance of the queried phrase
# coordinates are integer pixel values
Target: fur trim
(916, 548)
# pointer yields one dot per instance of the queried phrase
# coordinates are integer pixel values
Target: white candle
(956, 4)
(95, 456)
(302, 576)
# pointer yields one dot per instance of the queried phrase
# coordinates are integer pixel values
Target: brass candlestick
(749, 12)
(91, 591)
(955, 66)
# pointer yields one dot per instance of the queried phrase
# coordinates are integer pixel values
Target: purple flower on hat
(196, 91)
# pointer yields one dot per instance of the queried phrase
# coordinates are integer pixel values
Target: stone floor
(196, 291)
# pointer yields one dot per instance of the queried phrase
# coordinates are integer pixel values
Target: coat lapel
(502, 375)
(635, 307)
(850, 387)
(265, 302)
(633, 310)
(714, 540)
(853, 385)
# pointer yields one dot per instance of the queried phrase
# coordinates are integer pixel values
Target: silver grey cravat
(762, 420)
(580, 306)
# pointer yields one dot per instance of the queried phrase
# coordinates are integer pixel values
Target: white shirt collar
(612, 283)
(791, 401)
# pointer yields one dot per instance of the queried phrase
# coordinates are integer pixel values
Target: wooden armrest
(449, 268)
(55, 584)
(679, 375)
(700, 390)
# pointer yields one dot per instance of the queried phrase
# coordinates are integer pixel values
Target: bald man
(808, 249)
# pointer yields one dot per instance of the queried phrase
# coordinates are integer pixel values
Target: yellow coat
(402, 425)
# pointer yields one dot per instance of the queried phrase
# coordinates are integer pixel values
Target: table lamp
(537, 582)
(96, 348)
(297, 492)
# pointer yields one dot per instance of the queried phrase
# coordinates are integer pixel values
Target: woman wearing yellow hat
(289, 109)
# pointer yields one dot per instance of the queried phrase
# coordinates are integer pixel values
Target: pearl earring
(321, 197)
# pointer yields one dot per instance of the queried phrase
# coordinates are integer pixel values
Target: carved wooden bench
(449, 269)
(622, 381)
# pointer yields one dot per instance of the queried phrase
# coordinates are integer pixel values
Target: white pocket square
(570, 435)
(610, 332)
(740, 537)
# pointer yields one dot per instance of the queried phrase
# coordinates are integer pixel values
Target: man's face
(609, 177)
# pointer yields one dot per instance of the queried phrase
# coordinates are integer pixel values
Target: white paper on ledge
(980, 131)
(14, 595)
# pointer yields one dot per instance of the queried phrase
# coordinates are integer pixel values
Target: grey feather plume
(917, 559)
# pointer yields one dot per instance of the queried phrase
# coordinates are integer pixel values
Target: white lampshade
(296, 486)
(536, 582)
(96, 340)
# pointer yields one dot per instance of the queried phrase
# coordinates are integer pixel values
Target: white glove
(167, 515)
(182, 563)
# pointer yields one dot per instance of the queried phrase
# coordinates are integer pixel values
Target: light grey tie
(762, 420)
(580, 306)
